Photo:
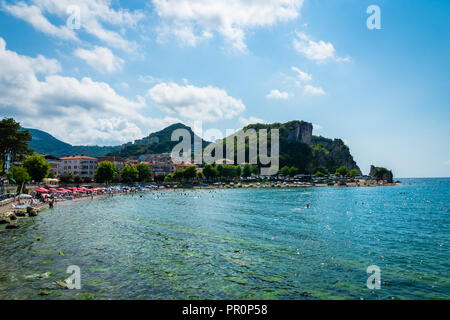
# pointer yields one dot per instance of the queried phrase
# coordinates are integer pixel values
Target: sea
(378, 243)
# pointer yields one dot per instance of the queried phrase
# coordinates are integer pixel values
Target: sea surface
(238, 244)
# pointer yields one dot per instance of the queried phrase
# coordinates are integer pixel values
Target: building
(54, 163)
(119, 162)
(81, 165)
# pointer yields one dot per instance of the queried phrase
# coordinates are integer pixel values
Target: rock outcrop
(381, 173)
(302, 132)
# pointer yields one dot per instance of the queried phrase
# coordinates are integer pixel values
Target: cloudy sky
(127, 68)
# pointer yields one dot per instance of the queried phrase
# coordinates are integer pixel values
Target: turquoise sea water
(238, 244)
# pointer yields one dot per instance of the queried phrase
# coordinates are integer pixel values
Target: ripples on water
(238, 244)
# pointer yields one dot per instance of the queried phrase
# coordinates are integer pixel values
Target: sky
(105, 72)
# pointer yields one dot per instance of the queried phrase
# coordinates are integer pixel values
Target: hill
(44, 143)
(157, 142)
(300, 148)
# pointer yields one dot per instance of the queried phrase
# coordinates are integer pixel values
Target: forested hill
(44, 143)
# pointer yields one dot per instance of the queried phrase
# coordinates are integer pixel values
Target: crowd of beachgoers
(42, 196)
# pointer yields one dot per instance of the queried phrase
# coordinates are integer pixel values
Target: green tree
(293, 171)
(319, 174)
(210, 172)
(354, 173)
(77, 179)
(51, 175)
(190, 172)
(19, 174)
(255, 169)
(145, 172)
(323, 169)
(342, 171)
(169, 177)
(36, 166)
(178, 175)
(13, 142)
(220, 170)
(129, 173)
(106, 172)
(238, 171)
(247, 172)
(200, 175)
(284, 171)
(67, 177)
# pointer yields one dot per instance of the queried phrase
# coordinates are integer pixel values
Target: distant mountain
(157, 142)
(45, 143)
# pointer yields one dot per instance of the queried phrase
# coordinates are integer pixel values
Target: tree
(238, 171)
(51, 175)
(129, 173)
(210, 172)
(178, 175)
(77, 179)
(13, 142)
(37, 167)
(323, 169)
(67, 177)
(354, 173)
(145, 172)
(200, 175)
(284, 171)
(106, 171)
(255, 169)
(190, 172)
(19, 175)
(169, 177)
(319, 174)
(247, 172)
(342, 171)
(293, 171)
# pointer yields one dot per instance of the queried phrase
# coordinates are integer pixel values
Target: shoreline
(263, 185)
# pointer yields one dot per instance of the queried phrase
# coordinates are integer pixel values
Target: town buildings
(82, 165)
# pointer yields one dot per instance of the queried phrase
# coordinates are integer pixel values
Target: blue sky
(137, 66)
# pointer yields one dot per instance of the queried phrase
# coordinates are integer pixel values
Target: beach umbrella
(41, 189)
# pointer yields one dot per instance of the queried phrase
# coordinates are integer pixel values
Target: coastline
(263, 185)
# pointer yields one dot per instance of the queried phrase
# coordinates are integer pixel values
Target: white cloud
(34, 16)
(302, 76)
(192, 21)
(276, 94)
(77, 111)
(251, 120)
(319, 51)
(316, 126)
(313, 91)
(208, 103)
(94, 14)
(100, 58)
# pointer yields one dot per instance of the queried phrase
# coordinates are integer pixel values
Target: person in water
(307, 204)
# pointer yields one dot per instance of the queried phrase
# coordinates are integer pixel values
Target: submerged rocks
(4, 220)
(12, 226)
(20, 213)
(32, 212)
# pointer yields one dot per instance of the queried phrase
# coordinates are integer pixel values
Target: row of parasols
(70, 190)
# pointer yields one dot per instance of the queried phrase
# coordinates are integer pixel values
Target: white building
(82, 165)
